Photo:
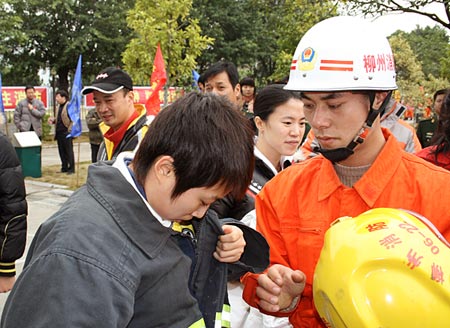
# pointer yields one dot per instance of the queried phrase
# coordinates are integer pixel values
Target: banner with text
(12, 95)
(141, 94)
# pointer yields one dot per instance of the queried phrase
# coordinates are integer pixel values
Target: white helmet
(342, 53)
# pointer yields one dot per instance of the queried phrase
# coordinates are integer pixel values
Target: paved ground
(45, 199)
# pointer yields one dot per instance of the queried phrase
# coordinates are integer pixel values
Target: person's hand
(6, 283)
(51, 120)
(30, 106)
(278, 287)
(230, 246)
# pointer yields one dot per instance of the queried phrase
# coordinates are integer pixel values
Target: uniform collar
(373, 182)
(283, 160)
(127, 208)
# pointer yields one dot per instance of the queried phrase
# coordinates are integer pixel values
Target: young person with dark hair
(427, 127)
(248, 92)
(438, 152)
(280, 122)
(137, 246)
(63, 126)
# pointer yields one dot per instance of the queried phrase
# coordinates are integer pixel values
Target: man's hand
(6, 283)
(278, 287)
(230, 246)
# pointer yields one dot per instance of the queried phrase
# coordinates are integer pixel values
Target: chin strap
(339, 154)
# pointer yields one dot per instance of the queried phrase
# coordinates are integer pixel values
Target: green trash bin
(28, 148)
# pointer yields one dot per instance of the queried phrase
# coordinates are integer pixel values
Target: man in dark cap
(124, 122)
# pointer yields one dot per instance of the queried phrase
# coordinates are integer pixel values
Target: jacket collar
(128, 209)
(373, 182)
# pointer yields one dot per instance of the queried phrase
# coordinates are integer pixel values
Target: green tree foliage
(57, 31)
(445, 63)
(11, 32)
(237, 29)
(298, 16)
(167, 23)
(377, 8)
(410, 76)
(422, 56)
(415, 87)
(430, 45)
(259, 36)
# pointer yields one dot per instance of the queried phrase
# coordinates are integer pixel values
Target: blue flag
(74, 107)
(2, 108)
(195, 76)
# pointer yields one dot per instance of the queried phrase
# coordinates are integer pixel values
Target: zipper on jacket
(188, 233)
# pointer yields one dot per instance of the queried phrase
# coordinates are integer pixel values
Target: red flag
(157, 81)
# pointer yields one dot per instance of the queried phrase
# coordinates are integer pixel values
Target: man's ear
(379, 98)
(164, 166)
(237, 90)
(130, 96)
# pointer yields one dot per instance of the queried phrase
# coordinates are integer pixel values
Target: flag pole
(78, 164)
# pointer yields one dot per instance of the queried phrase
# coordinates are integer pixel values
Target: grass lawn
(51, 174)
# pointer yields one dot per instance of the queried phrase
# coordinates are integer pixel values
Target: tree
(415, 87)
(10, 30)
(167, 23)
(409, 70)
(378, 8)
(237, 29)
(259, 36)
(298, 17)
(430, 45)
(444, 63)
(57, 31)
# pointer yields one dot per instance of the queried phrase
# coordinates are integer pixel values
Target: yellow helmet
(383, 268)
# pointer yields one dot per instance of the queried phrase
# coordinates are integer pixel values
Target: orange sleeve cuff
(250, 282)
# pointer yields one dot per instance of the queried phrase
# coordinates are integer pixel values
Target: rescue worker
(405, 133)
(344, 69)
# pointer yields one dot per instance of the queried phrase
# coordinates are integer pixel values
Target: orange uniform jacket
(296, 207)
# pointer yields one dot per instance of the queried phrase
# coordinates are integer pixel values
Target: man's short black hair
(222, 66)
(440, 92)
(62, 93)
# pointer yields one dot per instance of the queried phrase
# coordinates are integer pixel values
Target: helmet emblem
(307, 60)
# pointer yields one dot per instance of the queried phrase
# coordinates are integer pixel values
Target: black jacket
(13, 208)
(129, 142)
(208, 278)
(102, 260)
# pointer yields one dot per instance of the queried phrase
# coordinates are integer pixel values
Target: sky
(407, 22)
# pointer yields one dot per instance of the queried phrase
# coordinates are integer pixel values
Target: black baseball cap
(110, 80)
